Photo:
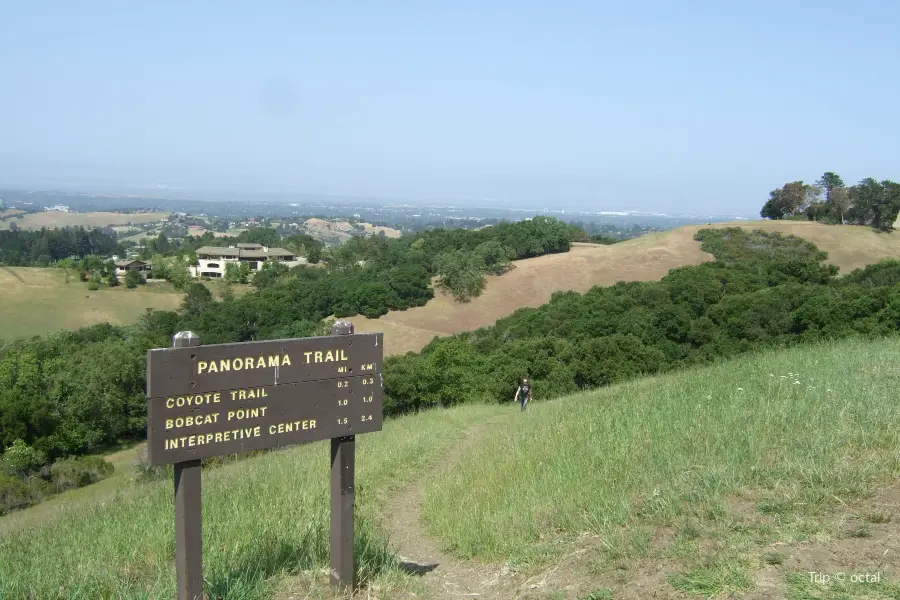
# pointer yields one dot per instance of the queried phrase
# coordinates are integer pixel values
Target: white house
(211, 260)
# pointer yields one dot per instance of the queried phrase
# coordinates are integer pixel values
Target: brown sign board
(192, 426)
(206, 401)
(218, 367)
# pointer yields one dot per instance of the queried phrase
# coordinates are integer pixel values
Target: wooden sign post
(220, 399)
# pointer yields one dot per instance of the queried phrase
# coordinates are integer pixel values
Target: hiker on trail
(523, 394)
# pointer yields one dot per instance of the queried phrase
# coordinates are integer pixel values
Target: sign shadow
(412, 568)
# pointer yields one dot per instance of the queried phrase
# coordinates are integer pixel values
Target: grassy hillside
(39, 300)
(647, 258)
(265, 520)
(703, 479)
(52, 219)
(741, 477)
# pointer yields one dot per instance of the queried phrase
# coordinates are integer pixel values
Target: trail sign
(206, 401)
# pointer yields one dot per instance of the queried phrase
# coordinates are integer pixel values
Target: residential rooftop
(244, 251)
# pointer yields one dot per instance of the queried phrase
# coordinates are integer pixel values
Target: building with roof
(123, 266)
(212, 260)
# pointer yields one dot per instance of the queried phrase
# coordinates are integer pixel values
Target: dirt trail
(442, 575)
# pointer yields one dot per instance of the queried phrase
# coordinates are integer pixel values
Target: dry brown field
(51, 219)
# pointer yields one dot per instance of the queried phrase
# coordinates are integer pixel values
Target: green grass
(725, 464)
(265, 519)
(123, 473)
(36, 300)
(718, 578)
(749, 450)
(841, 586)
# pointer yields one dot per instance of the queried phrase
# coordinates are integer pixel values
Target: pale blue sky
(674, 106)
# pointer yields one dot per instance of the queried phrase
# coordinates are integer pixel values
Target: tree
(875, 203)
(840, 202)
(495, 256)
(812, 199)
(179, 275)
(836, 197)
(461, 273)
(830, 182)
(237, 273)
(197, 298)
(269, 274)
(133, 279)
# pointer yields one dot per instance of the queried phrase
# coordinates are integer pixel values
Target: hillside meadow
(648, 258)
(51, 219)
(776, 463)
(734, 480)
(265, 524)
(36, 300)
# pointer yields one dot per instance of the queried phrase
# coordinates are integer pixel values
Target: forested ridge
(73, 392)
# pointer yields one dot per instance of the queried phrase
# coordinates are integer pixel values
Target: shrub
(93, 286)
(71, 473)
(133, 279)
(14, 494)
(20, 458)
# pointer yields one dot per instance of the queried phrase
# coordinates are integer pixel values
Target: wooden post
(188, 518)
(343, 495)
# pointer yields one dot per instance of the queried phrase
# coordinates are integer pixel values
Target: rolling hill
(532, 281)
(733, 480)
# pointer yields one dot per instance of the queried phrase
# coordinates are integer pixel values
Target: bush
(20, 458)
(14, 494)
(93, 286)
(147, 472)
(71, 473)
(133, 279)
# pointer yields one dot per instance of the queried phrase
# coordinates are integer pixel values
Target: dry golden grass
(10, 212)
(34, 301)
(342, 229)
(51, 219)
(375, 229)
(647, 258)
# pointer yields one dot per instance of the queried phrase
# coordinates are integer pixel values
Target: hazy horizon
(699, 108)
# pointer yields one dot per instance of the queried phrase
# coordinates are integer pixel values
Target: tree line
(870, 202)
(41, 248)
